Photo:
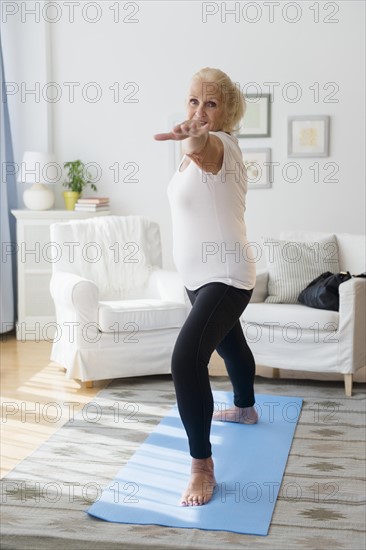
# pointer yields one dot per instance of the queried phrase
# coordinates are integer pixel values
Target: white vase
(39, 197)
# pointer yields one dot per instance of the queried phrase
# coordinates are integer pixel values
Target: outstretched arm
(206, 150)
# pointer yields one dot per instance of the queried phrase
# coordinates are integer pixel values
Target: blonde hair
(234, 100)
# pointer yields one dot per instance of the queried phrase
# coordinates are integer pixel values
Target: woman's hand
(184, 130)
(206, 150)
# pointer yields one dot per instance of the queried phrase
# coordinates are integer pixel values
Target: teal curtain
(8, 201)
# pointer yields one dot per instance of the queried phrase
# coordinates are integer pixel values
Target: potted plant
(77, 179)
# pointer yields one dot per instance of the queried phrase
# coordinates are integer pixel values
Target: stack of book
(92, 204)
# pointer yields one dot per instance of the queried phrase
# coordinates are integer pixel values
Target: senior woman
(207, 201)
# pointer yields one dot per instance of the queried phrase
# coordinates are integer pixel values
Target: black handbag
(323, 292)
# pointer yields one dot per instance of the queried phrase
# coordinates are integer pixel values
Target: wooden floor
(36, 398)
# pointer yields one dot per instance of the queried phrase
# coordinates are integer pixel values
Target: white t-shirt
(209, 231)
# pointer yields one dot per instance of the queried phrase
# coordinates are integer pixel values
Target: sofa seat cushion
(146, 314)
(284, 314)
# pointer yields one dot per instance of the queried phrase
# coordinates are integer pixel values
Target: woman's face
(205, 104)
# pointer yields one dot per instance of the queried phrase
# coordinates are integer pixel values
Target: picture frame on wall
(257, 163)
(308, 136)
(256, 121)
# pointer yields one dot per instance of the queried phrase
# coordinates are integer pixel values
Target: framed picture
(257, 163)
(308, 136)
(256, 121)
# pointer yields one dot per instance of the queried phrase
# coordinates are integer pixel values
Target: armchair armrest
(76, 295)
(167, 285)
(352, 324)
(76, 303)
(260, 291)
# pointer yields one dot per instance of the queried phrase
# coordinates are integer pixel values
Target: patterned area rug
(321, 503)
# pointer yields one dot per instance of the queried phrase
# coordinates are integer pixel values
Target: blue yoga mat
(250, 461)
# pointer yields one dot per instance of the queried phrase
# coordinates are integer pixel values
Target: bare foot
(202, 483)
(243, 415)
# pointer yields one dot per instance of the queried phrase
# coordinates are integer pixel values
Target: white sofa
(297, 337)
(118, 312)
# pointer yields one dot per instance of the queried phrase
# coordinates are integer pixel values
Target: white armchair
(297, 337)
(118, 312)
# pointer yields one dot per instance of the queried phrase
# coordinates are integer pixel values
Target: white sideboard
(36, 311)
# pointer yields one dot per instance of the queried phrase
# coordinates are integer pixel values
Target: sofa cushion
(352, 253)
(287, 314)
(292, 265)
(145, 314)
(351, 247)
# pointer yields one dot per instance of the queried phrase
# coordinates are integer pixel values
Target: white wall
(159, 53)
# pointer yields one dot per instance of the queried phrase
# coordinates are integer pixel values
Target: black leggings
(213, 323)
